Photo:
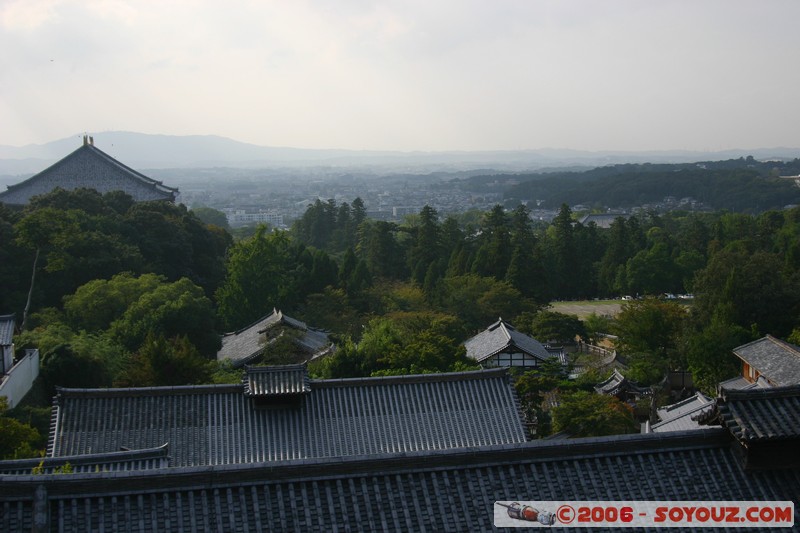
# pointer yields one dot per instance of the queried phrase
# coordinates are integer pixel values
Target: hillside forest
(117, 293)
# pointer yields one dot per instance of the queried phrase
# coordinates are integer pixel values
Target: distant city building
(602, 220)
(89, 168)
(240, 217)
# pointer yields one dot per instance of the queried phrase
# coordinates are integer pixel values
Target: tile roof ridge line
(384, 464)
(486, 373)
(238, 331)
(123, 166)
(694, 410)
(175, 389)
(784, 344)
(759, 393)
(13, 186)
(503, 324)
(751, 343)
(275, 368)
(89, 458)
(688, 400)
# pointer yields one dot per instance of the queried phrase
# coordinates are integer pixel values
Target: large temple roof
(88, 167)
(433, 490)
(399, 488)
(251, 422)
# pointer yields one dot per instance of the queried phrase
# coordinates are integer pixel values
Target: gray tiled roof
(432, 491)
(245, 345)
(218, 424)
(775, 359)
(275, 380)
(617, 382)
(91, 168)
(678, 416)
(501, 336)
(7, 323)
(759, 414)
(739, 383)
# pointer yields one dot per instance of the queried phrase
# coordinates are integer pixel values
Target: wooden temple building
(501, 345)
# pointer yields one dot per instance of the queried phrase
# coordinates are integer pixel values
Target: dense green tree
(15, 265)
(332, 310)
(596, 327)
(324, 272)
(750, 290)
(534, 386)
(170, 310)
(709, 353)
(329, 227)
(166, 362)
(258, 279)
(646, 369)
(425, 249)
(587, 414)
(78, 236)
(88, 201)
(494, 251)
(525, 270)
(95, 305)
(617, 253)
(650, 326)
(209, 215)
(17, 440)
(549, 326)
(479, 301)
(401, 343)
(62, 367)
(177, 244)
(562, 254)
(379, 247)
(75, 247)
(653, 271)
(344, 234)
(452, 236)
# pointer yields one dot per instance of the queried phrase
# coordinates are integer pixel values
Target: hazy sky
(407, 75)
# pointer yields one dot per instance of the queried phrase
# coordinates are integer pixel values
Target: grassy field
(586, 307)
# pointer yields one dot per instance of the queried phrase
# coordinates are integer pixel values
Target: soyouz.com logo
(685, 514)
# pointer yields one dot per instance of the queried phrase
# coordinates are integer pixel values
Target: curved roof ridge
(144, 391)
(128, 169)
(784, 344)
(412, 378)
(539, 451)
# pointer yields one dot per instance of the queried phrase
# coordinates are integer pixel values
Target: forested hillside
(743, 185)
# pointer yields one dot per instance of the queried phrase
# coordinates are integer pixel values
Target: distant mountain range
(145, 151)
